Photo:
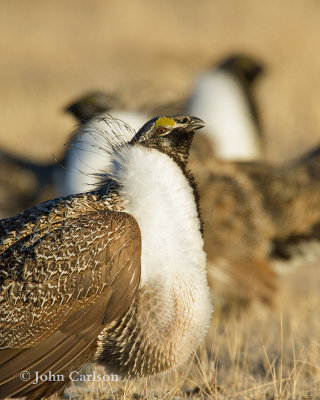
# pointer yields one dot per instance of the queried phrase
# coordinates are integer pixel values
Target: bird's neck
(159, 195)
(221, 102)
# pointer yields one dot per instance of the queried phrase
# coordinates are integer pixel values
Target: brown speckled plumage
(254, 213)
(136, 336)
(68, 267)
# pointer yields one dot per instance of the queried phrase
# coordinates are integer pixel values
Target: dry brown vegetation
(264, 353)
(148, 51)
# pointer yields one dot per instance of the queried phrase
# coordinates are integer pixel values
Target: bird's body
(232, 132)
(223, 98)
(256, 215)
(55, 302)
(115, 275)
(180, 288)
(237, 234)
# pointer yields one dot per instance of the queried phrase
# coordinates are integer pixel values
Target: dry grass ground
(260, 354)
(149, 52)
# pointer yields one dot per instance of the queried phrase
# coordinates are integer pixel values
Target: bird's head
(170, 135)
(244, 67)
(91, 104)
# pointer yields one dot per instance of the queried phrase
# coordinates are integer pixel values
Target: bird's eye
(162, 130)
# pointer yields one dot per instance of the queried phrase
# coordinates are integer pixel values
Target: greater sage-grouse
(24, 183)
(257, 217)
(85, 155)
(91, 104)
(116, 275)
(224, 98)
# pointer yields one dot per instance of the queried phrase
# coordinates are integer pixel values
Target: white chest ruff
(220, 101)
(160, 198)
(172, 310)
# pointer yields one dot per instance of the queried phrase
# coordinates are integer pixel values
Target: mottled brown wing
(60, 286)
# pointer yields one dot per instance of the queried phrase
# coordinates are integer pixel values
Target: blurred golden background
(147, 51)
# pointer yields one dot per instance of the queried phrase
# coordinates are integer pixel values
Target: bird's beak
(196, 123)
(189, 124)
